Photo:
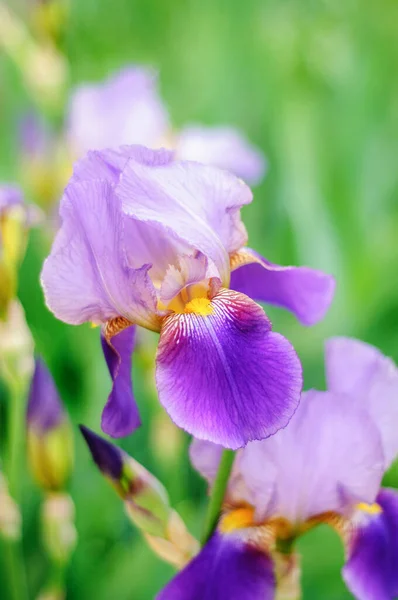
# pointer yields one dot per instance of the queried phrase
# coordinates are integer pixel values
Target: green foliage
(314, 85)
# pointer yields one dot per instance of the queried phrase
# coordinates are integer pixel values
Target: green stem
(13, 552)
(15, 437)
(218, 493)
(15, 570)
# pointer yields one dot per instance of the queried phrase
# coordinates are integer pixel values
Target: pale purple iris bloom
(325, 467)
(127, 108)
(223, 147)
(150, 241)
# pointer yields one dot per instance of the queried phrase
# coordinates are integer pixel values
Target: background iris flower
(130, 110)
(325, 467)
(150, 241)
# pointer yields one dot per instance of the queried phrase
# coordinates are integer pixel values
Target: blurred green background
(313, 84)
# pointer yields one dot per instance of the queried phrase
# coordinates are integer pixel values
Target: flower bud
(10, 517)
(15, 217)
(59, 531)
(16, 347)
(146, 500)
(50, 440)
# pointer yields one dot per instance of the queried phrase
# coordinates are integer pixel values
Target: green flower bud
(59, 531)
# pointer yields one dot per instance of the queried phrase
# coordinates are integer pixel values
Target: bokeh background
(315, 86)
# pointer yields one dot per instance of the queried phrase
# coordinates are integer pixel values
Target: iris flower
(146, 240)
(326, 466)
(126, 108)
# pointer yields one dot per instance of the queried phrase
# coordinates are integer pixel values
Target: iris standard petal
(110, 162)
(369, 379)
(223, 375)
(305, 292)
(328, 456)
(200, 205)
(124, 109)
(120, 416)
(225, 568)
(371, 571)
(223, 147)
(45, 410)
(86, 277)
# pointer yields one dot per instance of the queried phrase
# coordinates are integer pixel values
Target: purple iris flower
(124, 109)
(127, 108)
(325, 467)
(150, 241)
(224, 147)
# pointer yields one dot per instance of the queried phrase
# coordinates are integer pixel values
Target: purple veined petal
(225, 148)
(200, 205)
(371, 571)
(86, 276)
(109, 163)
(328, 448)
(45, 410)
(223, 375)
(305, 292)
(145, 242)
(120, 416)
(225, 568)
(370, 379)
(124, 109)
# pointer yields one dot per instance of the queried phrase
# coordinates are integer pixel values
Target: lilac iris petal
(109, 163)
(330, 452)
(86, 276)
(124, 109)
(120, 416)
(371, 571)
(225, 568)
(224, 375)
(223, 147)
(306, 292)
(45, 410)
(205, 457)
(371, 380)
(190, 270)
(199, 204)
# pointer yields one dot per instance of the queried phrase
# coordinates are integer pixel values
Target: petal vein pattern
(223, 375)
(200, 204)
(86, 276)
